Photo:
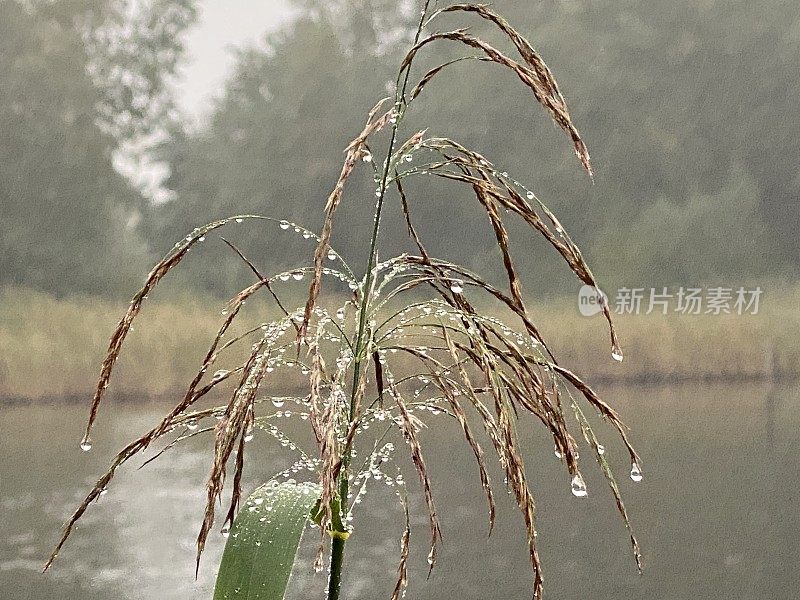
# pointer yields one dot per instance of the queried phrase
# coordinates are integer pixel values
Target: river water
(717, 512)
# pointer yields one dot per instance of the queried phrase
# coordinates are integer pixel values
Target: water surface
(716, 512)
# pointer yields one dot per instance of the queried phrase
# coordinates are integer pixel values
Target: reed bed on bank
(50, 347)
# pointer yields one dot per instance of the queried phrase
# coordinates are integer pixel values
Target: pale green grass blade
(263, 542)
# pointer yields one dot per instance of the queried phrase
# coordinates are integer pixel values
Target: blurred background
(124, 124)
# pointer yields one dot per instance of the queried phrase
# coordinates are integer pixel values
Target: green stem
(337, 557)
(337, 546)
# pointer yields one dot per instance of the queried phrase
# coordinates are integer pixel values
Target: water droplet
(278, 402)
(225, 532)
(239, 220)
(86, 444)
(557, 452)
(367, 157)
(616, 353)
(249, 435)
(284, 276)
(431, 557)
(340, 314)
(601, 449)
(220, 374)
(456, 286)
(297, 275)
(353, 286)
(531, 196)
(285, 225)
(191, 424)
(331, 255)
(579, 486)
(636, 472)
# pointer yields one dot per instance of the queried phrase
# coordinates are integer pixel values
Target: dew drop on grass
(225, 532)
(531, 196)
(284, 276)
(278, 402)
(297, 275)
(249, 435)
(239, 220)
(340, 314)
(601, 449)
(456, 286)
(636, 472)
(284, 225)
(579, 486)
(616, 353)
(331, 255)
(557, 452)
(191, 424)
(86, 444)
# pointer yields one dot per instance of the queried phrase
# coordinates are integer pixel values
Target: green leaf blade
(263, 541)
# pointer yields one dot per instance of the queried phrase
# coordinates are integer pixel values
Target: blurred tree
(69, 219)
(679, 102)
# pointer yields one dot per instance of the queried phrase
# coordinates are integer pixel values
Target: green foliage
(263, 541)
(66, 213)
(70, 82)
(674, 97)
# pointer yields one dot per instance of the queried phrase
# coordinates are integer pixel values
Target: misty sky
(222, 26)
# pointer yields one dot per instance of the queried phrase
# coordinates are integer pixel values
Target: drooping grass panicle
(405, 356)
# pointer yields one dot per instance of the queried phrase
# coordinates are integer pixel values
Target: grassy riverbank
(52, 347)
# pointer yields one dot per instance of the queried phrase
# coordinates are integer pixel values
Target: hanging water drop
(367, 157)
(225, 532)
(331, 255)
(284, 276)
(86, 444)
(297, 275)
(278, 402)
(191, 424)
(285, 225)
(579, 486)
(616, 353)
(249, 435)
(636, 472)
(456, 286)
(531, 196)
(601, 449)
(239, 220)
